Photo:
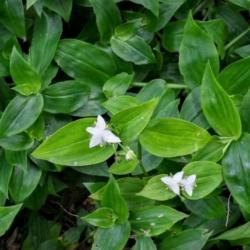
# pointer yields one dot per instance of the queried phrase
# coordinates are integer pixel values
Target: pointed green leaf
(197, 48)
(130, 123)
(70, 146)
(219, 109)
(169, 142)
(152, 5)
(113, 199)
(236, 171)
(144, 243)
(155, 220)
(26, 79)
(20, 114)
(7, 215)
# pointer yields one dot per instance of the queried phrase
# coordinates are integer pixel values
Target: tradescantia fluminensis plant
(124, 124)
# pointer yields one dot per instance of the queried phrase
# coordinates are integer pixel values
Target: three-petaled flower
(177, 181)
(101, 135)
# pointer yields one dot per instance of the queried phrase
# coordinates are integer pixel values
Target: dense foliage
(124, 124)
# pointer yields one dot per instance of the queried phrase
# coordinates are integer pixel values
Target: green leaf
(155, 189)
(236, 171)
(62, 8)
(5, 174)
(242, 3)
(12, 17)
(144, 243)
(17, 158)
(65, 97)
(46, 35)
(102, 217)
(208, 177)
(188, 239)
(244, 112)
(26, 79)
(16, 142)
(69, 146)
(167, 9)
(117, 85)
(20, 114)
(113, 199)
(114, 238)
(123, 166)
(7, 215)
(130, 123)
(92, 66)
(152, 5)
(163, 137)
(107, 17)
(23, 183)
(235, 77)
(219, 109)
(155, 220)
(117, 104)
(132, 49)
(29, 3)
(197, 48)
(237, 233)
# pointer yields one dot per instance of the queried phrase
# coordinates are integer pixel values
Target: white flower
(101, 134)
(173, 182)
(130, 155)
(176, 182)
(188, 184)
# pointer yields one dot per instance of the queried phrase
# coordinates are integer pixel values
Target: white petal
(178, 176)
(91, 130)
(109, 137)
(172, 184)
(188, 184)
(100, 123)
(94, 141)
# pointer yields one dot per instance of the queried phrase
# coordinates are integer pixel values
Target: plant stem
(140, 160)
(237, 38)
(177, 86)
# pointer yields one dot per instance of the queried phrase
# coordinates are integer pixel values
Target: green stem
(177, 86)
(140, 160)
(237, 38)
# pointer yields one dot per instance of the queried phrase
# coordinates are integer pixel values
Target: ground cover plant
(124, 124)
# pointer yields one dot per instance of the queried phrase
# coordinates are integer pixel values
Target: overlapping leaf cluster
(172, 80)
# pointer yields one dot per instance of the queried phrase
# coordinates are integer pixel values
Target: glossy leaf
(196, 49)
(23, 183)
(235, 77)
(117, 85)
(152, 5)
(219, 109)
(16, 142)
(70, 146)
(102, 217)
(63, 8)
(144, 243)
(155, 189)
(12, 16)
(123, 166)
(130, 123)
(132, 49)
(25, 77)
(168, 142)
(155, 220)
(92, 65)
(46, 35)
(208, 177)
(188, 239)
(113, 199)
(236, 172)
(7, 215)
(25, 110)
(65, 97)
(117, 237)
(107, 17)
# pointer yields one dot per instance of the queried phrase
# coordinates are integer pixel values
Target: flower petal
(178, 176)
(172, 184)
(95, 140)
(100, 123)
(109, 137)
